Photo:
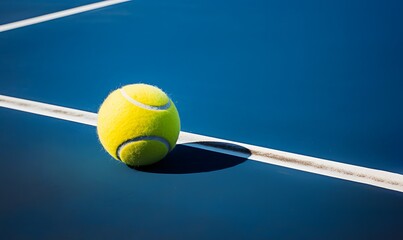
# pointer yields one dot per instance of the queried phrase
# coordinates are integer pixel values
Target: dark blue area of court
(313, 77)
(59, 183)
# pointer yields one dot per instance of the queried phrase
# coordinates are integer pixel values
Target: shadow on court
(184, 159)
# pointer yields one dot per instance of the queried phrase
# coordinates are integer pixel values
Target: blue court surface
(318, 78)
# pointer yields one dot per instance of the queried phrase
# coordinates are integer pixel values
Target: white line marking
(142, 105)
(52, 16)
(49, 110)
(383, 179)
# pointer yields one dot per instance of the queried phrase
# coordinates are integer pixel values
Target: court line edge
(60, 14)
(374, 177)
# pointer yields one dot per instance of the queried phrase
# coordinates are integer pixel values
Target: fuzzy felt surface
(120, 121)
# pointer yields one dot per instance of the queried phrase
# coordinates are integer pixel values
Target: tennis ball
(138, 124)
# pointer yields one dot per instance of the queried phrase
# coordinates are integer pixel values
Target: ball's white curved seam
(374, 177)
(60, 14)
(143, 138)
(142, 105)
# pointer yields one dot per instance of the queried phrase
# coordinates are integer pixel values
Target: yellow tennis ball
(138, 124)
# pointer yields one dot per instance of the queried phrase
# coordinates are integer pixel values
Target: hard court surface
(319, 78)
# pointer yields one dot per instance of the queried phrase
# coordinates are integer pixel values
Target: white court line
(383, 179)
(65, 13)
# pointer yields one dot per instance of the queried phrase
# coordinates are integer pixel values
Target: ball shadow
(185, 159)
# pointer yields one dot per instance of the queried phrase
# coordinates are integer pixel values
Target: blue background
(318, 78)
